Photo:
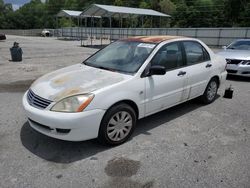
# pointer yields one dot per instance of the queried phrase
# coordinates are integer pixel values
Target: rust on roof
(152, 39)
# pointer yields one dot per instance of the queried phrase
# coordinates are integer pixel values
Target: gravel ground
(190, 145)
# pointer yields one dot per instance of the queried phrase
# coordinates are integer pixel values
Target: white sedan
(130, 79)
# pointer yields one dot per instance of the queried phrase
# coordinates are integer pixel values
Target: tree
(185, 13)
(167, 6)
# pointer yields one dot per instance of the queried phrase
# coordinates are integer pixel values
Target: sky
(17, 3)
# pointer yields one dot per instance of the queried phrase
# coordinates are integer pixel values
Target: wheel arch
(129, 102)
(217, 78)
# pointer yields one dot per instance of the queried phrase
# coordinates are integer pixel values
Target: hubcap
(119, 126)
(212, 89)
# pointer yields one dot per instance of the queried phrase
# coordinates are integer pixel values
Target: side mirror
(157, 70)
(224, 47)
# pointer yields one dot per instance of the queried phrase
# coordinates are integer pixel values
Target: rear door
(163, 91)
(198, 68)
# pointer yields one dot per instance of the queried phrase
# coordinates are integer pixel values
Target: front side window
(169, 56)
(195, 53)
(121, 56)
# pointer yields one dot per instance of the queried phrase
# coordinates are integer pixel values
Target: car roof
(152, 39)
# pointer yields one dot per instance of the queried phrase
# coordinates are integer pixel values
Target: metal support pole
(122, 27)
(57, 27)
(81, 29)
(160, 22)
(142, 21)
(71, 32)
(151, 25)
(101, 30)
(91, 31)
(78, 30)
(119, 26)
(110, 27)
(127, 27)
(86, 24)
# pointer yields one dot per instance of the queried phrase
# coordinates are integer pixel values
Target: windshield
(240, 45)
(121, 56)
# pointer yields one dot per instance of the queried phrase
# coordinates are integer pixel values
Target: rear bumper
(223, 77)
(65, 126)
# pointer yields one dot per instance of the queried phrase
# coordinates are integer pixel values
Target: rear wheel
(210, 92)
(117, 124)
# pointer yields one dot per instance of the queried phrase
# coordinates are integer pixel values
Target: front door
(163, 91)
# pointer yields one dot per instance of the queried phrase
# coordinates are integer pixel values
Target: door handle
(208, 65)
(181, 73)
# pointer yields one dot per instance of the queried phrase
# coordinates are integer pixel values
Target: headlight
(246, 62)
(73, 104)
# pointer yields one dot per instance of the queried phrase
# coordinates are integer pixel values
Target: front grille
(232, 71)
(36, 101)
(233, 61)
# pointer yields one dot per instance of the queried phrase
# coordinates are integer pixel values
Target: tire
(117, 125)
(210, 93)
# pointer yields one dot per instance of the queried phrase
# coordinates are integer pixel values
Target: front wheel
(211, 91)
(117, 124)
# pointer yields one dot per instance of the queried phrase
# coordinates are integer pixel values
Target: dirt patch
(19, 86)
(122, 167)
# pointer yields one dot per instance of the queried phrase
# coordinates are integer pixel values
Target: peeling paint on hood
(73, 80)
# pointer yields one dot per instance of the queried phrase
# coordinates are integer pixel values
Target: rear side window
(195, 53)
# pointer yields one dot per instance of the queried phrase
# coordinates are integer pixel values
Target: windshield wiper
(105, 68)
(99, 67)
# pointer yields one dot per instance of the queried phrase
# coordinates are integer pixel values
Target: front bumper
(240, 70)
(65, 126)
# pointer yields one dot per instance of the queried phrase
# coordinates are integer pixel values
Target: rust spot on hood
(61, 80)
(67, 93)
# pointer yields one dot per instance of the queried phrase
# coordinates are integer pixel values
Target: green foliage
(167, 6)
(185, 13)
(144, 4)
(64, 22)
(119, 3)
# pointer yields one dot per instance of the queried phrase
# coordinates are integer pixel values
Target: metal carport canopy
(109, 10)
(69, 13)
(73, 14)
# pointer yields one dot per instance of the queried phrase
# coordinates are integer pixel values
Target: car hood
(73, 80)
(235, 54)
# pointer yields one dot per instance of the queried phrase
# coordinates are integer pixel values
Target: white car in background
(237, 55)
(45, 33)
(104, 96)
